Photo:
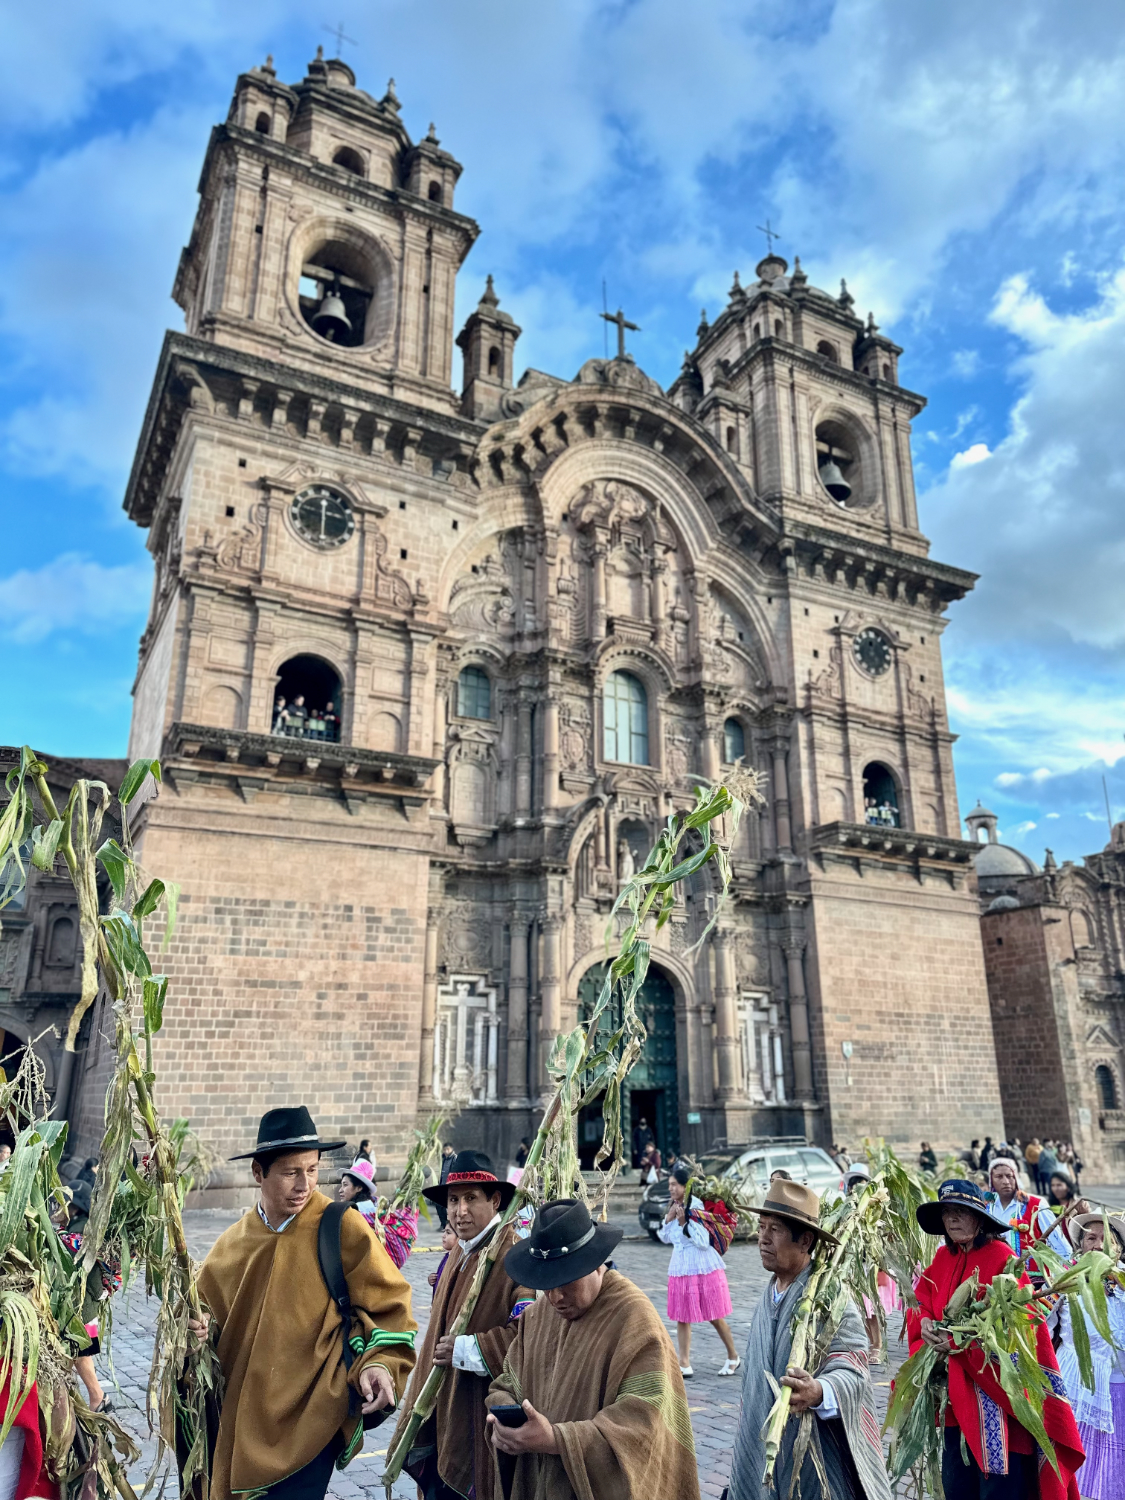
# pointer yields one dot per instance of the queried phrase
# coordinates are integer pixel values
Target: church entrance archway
(651, 1091)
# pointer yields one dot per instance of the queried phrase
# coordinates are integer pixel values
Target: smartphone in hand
(509, 1416)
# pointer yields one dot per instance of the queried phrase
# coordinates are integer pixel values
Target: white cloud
(975, 454)
(965, 362)
(72, 593)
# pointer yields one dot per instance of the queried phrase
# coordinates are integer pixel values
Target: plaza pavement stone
(713, 1401)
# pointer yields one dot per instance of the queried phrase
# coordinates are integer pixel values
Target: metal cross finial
(341, 36)
(621, 321)
(770, 234)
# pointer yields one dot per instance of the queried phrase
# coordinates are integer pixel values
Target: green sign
(694, 1118)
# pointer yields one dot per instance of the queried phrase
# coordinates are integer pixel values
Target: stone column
(710, 750)
(550, 1021)
(598, 625)
(794, 946)
(550, 753)
(659, 603)
(517, 1010)
(726, 1019)
(437, 748)
(781, 800)
(426, 1068)
(523, 758)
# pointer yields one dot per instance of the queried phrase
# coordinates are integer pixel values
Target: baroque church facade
(428, 668)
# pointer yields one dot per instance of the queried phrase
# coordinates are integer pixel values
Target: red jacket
(977, 1402)
(32, 1480)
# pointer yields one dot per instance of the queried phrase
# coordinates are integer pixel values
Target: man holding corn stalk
(989, 1454)
(295, 1399)
(840, 1455)
(450, 1456)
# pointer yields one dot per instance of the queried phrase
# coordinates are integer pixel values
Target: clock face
(872, 651)
(322, 517)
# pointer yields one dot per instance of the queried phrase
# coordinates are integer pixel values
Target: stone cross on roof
(621, 321)
(770, 234)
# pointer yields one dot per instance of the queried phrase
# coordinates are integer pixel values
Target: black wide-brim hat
(957, 1192)
(564, 1245)
(471, 1169)
(289, 1129)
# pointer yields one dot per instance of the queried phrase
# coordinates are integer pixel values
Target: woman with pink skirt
(697, 1283)
(1100, 1413)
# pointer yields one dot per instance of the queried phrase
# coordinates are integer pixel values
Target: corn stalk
(595, 1058)
(184, 1375)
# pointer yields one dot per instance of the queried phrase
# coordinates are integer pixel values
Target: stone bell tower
(303, 466)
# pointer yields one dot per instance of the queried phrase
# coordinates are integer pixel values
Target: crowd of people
(564, 1382)
(296, 719)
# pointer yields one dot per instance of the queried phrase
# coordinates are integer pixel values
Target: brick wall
(1025, 1024)
(897, 971)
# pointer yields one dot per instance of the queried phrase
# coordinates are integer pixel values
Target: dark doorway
(12, 1048)
(651, 1089)
(307, 700)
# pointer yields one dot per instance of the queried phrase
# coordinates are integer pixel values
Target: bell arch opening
(337, 289)
(651, 1091)
(881, 805)
(840, 464)
(307, 699)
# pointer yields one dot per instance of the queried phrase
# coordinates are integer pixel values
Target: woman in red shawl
(1004, 1460)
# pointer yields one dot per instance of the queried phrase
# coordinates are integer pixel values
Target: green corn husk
(137, 1204)
(594, 1059)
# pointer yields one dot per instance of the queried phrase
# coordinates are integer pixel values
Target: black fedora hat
(957, 1192)
(564, 1245)
(471, 1169)
(288, 1129)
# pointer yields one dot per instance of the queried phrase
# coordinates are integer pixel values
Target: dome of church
(1003, 860)
(1004, 903)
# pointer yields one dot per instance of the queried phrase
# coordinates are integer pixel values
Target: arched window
(1107, 1087)
(435, 192)
(262, 124)
(350, 160)
(474, 694)
(732, 440)
(778, 328)
(625, 705)
(828, 351)
(880, 797)
(734, 741)
(62, 945)
(494, 361)
(307, 700)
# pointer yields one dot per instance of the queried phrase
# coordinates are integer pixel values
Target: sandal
(731, 1366)
(104, 1406)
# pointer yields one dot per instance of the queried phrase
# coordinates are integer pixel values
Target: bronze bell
(834, 482)
(331, 320)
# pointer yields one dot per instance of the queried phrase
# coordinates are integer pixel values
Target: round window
(322, 517)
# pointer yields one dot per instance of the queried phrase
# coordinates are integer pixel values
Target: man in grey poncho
(845, 1429)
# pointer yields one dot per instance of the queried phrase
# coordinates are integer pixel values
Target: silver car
(807, 1164)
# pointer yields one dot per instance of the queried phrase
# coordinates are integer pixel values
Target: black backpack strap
(331, 1262)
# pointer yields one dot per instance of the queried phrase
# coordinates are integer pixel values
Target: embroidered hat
(958, 1192)
(861, 1172)
(1005, 1159)
(363, 1172)
(564, 1245)
(288, 1129)
(797, 1204)
(470, 1169)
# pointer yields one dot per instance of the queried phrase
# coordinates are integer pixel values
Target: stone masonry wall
(896, 970)
(1032, 1074)
(296, 977)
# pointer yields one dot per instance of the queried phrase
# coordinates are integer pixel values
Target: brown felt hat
(796, 1203)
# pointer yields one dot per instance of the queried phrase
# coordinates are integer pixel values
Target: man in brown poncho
(451, 1457)
(595, 1375)
(286, 1417)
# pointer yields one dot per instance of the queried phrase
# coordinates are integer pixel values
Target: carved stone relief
(484, 601)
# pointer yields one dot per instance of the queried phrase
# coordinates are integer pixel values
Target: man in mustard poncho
(285, 1419)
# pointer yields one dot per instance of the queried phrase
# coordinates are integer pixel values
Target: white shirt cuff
(467, 1355)
(828, 1407)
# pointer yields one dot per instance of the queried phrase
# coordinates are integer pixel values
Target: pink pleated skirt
(699, 1299)
(1102, 1476)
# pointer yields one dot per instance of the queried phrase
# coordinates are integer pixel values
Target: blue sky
(960, 164)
